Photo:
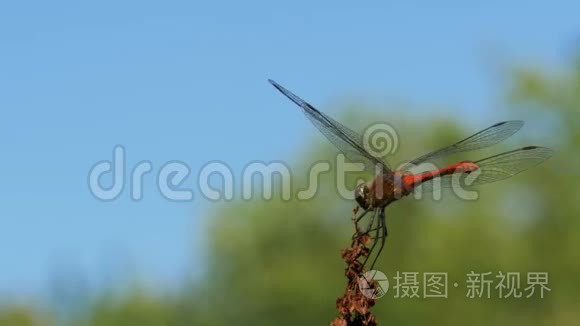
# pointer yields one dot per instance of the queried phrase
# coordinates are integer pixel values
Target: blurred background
(186, 81)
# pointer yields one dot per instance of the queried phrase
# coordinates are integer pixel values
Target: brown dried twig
(354, 307)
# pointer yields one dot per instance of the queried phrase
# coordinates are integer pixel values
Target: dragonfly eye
(361, 194)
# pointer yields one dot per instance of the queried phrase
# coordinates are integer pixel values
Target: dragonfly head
(361, 194)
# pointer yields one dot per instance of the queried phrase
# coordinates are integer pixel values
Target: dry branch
(354, 307)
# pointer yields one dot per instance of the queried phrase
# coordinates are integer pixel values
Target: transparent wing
(492, 169)
(439, 183)
(349, 142)
(505, 165)
(485, 138)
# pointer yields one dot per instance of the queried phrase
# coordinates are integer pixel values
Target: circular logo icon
(373, 284)
(380, 139)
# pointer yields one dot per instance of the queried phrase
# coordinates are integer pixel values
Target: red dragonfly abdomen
(410, 181)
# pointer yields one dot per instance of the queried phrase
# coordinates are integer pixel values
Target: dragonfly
(391, 185)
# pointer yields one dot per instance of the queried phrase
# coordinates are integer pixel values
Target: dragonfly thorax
(384, 190)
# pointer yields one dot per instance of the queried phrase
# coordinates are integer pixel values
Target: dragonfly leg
(378, 231)
(378, 227)
(358, 232)
(359, 218)
(384, 234)
(372, 221)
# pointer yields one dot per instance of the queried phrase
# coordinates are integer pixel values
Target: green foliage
(20, 315)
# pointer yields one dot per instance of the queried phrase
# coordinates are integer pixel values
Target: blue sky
(184, 81)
